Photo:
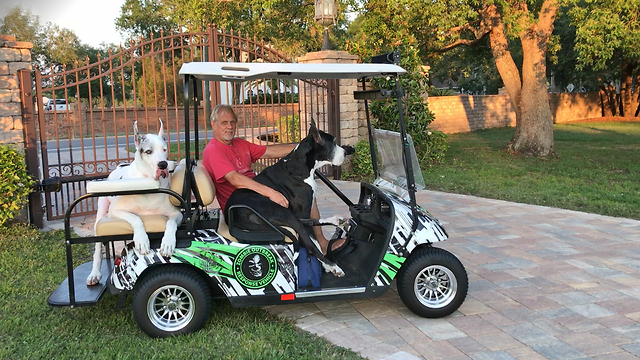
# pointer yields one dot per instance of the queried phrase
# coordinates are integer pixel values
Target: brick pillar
(349, 108)
(14, 55)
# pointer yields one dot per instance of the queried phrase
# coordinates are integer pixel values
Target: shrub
(361, 167)
(267, 98)
(289, 129)
(15, 182)
(434, 91)
(430, 144)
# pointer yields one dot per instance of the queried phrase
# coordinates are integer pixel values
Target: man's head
(224, 123)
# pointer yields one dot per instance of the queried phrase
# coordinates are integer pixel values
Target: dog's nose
(162, 165)
(348, 150)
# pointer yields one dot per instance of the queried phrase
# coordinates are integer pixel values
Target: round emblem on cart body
(255, 267)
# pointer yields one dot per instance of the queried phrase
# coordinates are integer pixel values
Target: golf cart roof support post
(67, 245)
(196, 149)
(406, 158)
(372, 148)
(186, 187)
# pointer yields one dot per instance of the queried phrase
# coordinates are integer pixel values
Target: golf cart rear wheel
(432, 282)
(171, 301)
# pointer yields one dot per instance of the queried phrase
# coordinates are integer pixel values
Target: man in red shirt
(228, 160)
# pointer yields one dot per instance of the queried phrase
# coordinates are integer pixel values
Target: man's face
(224, 129)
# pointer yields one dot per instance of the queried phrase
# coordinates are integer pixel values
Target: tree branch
(461, 42)
(546, 17)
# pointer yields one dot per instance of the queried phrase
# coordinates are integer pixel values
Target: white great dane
(150, 162)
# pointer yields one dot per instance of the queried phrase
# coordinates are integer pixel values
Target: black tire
(429, 269)
(171, 301)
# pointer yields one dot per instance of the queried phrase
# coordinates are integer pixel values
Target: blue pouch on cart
(309, 270)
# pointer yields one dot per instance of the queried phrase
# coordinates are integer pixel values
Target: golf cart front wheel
(171, 301)
(432, 282)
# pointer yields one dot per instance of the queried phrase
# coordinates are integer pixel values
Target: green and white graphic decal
(389, 268)
(239, 269)
(255, 267)
(203, 255)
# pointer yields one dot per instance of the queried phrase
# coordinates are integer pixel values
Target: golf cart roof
(230, 71)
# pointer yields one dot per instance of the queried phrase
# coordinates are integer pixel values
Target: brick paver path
(544, 283)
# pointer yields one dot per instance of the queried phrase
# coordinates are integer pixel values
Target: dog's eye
(148, 152)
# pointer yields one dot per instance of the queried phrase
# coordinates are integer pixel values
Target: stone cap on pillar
(9, 41)
(329, 56)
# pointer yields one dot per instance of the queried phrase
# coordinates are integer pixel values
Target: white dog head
(151, 152)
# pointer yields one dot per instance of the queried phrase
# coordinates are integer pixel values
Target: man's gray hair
(224, 108)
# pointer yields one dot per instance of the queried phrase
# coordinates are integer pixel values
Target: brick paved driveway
(544, 283)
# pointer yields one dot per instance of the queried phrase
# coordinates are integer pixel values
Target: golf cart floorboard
(84, 295)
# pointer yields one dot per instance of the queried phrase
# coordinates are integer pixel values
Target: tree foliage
(52, 44)
(607, 40)
(443, 26)
(288, 24)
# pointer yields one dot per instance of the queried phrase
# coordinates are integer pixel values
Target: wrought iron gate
(91, 133)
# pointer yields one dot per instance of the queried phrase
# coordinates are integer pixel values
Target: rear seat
(157, 223)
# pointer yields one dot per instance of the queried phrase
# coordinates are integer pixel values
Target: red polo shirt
(220, 159)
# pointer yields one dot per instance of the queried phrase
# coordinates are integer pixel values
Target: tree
(607, 36)
(143, 18)
(287, 24)
(25, 26)
(62, 45)
(442, 26)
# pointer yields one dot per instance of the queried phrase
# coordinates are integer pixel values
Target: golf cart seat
(206, 193)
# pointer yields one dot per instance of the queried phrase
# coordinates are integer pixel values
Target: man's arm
(242, 182)
(278, 151)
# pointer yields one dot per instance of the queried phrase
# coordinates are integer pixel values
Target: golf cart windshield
(391, 167)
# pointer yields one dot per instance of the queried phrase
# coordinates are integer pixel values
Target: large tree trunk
(534, 123)
(627, 108)
(534, 132)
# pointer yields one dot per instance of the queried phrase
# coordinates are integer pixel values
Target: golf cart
(390, 235)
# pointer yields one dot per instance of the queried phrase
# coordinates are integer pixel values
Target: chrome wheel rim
(435, 286)
(171, 308)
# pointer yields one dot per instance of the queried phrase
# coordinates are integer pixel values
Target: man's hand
(278, 198)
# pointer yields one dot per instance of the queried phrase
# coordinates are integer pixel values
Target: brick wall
(466, 113)
(14, 55)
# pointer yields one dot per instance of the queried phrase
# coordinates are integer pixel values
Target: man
(228, 160)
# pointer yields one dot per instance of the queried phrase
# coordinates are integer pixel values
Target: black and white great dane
(293, 176)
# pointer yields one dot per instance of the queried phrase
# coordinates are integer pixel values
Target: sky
(92, 21)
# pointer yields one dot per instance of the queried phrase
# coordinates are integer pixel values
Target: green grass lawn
(32, 265)
(596, 169)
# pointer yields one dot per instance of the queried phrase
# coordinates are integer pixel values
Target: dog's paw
(94, 278)
(141, 242)
(334, 269)
(167, 247)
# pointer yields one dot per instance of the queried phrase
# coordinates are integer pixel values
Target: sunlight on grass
(595, 170)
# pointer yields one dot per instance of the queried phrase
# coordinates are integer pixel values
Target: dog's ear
(313, 131)
(136, 134)
(161, 131)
